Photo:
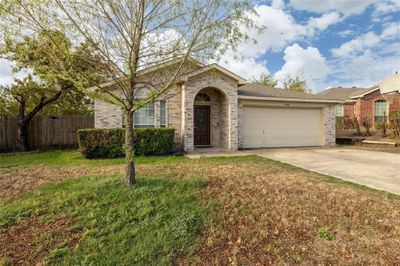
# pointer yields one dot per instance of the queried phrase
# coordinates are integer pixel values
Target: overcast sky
(329, 43)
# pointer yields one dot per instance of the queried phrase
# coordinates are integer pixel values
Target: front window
(339, 110)
(144, 117)
(380, 111)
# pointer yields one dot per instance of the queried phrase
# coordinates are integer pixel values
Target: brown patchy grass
(271, 213)
(266, 212)
(16, 181)
(30, 241)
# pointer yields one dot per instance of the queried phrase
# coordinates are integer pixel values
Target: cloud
(246, 67)
(278, 4)
(345, 33)
(322, 6)
(385, 7)
(308, 63)
(368, 41)
(349, 48)
(324, 21)
(365, 69)
(281, 30)
(392, 31)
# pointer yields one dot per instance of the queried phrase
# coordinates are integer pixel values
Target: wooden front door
(202, 125)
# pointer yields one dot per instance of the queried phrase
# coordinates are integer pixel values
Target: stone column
(329, 121)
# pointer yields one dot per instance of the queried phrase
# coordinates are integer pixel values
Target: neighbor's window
(380, 111)
(339, 110)
(163, 114)
(144, 117)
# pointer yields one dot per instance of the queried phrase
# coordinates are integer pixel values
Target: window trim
(166, 113)
(342, 107)
(156, 113)
(386, 116)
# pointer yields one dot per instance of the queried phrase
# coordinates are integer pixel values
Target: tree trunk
(130, 175)
(22, 126)
(22, 136)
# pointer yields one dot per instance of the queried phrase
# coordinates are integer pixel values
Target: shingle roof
(256, 90)
(342, 93)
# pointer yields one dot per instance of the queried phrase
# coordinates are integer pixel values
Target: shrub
(395, 123)
(339, 122)
(109, 143)
(366, 121)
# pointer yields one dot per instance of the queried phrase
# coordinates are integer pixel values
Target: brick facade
(364, 106)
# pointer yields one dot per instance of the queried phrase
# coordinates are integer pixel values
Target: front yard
(58, 208)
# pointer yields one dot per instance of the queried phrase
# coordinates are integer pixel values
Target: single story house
(210, 106)
(375, 102)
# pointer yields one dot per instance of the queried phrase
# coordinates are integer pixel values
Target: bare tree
(395, 123)
(132, 35)
(357, 124)
(366, 121)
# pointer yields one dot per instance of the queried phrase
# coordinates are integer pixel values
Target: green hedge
(109, 143)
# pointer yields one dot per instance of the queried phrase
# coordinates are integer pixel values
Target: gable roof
(260, 91)
(390, 83)
(151, 69)
(238, 78)
(342, 93)
(370, 90)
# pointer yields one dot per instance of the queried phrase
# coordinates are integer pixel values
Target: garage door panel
(281, 127)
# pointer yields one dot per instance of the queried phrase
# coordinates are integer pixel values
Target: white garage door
(281, 127)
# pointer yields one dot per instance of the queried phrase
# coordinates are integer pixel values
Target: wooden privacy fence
(45, 132)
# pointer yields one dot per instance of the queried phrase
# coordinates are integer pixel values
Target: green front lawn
(239, 210)
(72, 158)
(154, 223)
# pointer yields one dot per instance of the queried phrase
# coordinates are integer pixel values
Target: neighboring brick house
(368, 102)
(210, 106)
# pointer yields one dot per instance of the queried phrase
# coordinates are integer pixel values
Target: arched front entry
(210, 119)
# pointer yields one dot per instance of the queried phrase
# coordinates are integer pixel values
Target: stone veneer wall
(226, 86)
(106, 115)
(329, 122)
(219, 125)
(174, 113)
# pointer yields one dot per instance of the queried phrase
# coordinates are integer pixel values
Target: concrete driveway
(378, 170)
